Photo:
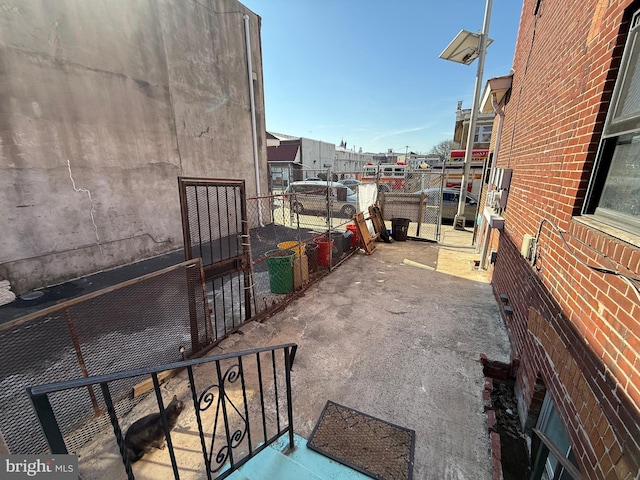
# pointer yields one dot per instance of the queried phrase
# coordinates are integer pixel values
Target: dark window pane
(629, 102)
(626, 112)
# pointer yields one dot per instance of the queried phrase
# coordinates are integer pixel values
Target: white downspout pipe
(496, 149)
(252, 101)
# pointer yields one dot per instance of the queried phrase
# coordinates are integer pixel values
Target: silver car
(350, 182)
(312, 197)
(450, 200)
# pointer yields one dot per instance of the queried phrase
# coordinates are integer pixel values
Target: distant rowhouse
(298, 158)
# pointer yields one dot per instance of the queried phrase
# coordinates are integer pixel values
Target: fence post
(193, 314)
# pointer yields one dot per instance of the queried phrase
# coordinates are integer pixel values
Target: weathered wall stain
(103, 105)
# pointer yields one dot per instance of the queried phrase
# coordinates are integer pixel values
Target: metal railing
(246, 406)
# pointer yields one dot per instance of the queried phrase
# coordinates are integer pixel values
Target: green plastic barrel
(280, 270)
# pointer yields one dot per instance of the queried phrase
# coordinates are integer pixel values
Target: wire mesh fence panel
(151, 320)
(310, 231)
(420, 202)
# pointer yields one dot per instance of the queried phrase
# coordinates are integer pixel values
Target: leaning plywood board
(368, 240)
(376, 218)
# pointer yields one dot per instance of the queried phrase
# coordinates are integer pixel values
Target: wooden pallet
(368, 240)
(378, 223)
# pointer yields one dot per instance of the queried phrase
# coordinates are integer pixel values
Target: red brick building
(571, 136)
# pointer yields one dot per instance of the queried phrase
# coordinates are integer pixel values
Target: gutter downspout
(252, 101)
(496, 149)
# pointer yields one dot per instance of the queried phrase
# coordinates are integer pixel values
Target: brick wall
(601, 421)
(574, 326)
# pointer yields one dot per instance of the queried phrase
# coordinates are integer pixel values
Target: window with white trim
(613, 196)
(483, 134)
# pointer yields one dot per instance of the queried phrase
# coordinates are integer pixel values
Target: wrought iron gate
(215, 228)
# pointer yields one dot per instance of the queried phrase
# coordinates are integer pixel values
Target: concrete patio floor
(397, 335)
(400, 341)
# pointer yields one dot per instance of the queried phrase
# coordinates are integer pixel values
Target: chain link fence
(309, 231)
(405, 193)
(151, 320)
(416, 201)
(300, 231)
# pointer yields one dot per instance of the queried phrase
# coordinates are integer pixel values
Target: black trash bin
(399, 229)
(338, 245)
(312, 256)
(348, 242)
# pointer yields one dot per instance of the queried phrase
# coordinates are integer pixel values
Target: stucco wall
(103, 105)
(315, 154)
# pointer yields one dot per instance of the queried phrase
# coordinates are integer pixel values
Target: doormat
(367, 444)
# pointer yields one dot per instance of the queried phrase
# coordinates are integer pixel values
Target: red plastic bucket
(324, 247)
(354, 239)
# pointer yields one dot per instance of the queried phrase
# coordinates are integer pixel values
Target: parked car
(450, 200)
(350, 182)
(353, 183)
(313, 197)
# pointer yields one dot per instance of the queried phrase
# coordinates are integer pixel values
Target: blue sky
(368, 72)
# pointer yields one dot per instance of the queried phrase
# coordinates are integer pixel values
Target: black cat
(148, 431)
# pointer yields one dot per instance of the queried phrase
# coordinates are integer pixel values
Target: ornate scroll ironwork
(217, 459)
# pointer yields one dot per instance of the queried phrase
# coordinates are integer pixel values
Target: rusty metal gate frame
(225, 259)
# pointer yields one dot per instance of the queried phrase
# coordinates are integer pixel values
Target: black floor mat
(367, 444)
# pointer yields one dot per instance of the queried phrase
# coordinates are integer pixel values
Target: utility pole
(459, 220)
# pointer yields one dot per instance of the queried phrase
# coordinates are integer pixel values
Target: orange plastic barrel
(354, 239)
(324, 248)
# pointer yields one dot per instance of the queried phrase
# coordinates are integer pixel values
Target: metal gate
(419, 200)
(215, 228)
